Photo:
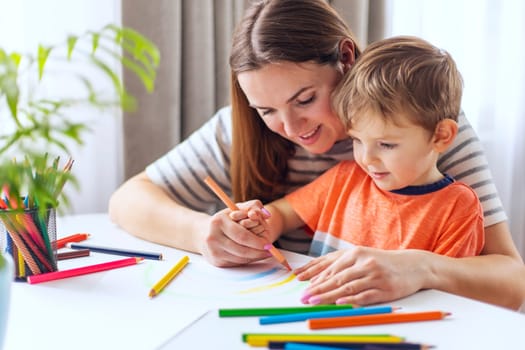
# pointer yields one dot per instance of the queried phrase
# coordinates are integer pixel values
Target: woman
(280, 133)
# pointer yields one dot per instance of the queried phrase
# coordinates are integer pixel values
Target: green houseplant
(35, 129)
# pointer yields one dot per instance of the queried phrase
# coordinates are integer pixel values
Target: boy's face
(394, 155)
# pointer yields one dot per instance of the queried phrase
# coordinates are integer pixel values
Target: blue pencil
(323, 314)
(374, 346)
(116, 251)
(347, 346)
(300, 346)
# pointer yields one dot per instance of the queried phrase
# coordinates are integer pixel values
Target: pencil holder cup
(29, 236)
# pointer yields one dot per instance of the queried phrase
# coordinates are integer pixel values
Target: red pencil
(51, 276)
(368, 320)
(77, 237)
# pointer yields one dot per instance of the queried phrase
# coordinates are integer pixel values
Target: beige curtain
(193, 82)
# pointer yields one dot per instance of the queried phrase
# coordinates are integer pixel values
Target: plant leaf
(16, 58)
(71, 42)
(127, 102)
(43, 54)
(94, 42)
(9, 82)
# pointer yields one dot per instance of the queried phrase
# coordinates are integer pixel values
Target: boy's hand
(362, 276)
(252, 216)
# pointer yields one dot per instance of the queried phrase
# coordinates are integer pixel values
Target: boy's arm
(283, 218)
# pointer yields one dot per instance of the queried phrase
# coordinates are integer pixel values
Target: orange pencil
(232, 206)
(277, 255)
(77, 237)
(366, 320)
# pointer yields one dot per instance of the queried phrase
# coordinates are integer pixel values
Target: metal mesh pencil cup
(29, 236)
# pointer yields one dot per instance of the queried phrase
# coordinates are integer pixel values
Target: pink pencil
(51, 276)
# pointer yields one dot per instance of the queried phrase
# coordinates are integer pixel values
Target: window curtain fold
(194, 38)
(193, 78)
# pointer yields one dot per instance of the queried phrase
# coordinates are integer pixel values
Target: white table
(112, 310)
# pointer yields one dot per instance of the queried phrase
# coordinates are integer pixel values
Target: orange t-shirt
(344, 208)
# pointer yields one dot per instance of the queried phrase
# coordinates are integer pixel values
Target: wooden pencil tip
(152, 293)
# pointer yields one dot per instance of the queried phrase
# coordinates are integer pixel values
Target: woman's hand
(363, 276)
(236, 237)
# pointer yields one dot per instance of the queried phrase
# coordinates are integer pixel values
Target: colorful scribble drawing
(269, 286)
(202, 281)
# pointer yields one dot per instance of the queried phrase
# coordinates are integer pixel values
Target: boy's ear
(346, 54)
(444, 134)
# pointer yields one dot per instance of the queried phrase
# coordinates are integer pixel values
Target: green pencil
(267, 311)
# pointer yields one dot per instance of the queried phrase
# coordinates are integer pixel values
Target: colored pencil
(116, 251)
(282, 310)
(324, 314)
(25, 223)
(73, 254)
(163, 282)
(51, 276)
(262, 339)
(21, 264)
(366, 320)
(41, 236)
(277, 255)
(232, 206)
(77, 237)
(22, 249)
(278, 345)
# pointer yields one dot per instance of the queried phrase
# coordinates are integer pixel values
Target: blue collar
(424, 189)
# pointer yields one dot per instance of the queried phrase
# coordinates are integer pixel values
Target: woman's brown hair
(272, 31)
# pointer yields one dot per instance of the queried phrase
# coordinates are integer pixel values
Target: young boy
(399, 102)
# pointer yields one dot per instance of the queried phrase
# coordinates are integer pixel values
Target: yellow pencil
(21, 264)
(163, 282)
(262, 339)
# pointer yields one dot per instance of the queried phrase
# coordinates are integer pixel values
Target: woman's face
(294, 101)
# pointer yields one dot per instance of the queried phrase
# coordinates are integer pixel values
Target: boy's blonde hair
(401, 74)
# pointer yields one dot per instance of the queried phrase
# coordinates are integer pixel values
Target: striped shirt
(206, 152)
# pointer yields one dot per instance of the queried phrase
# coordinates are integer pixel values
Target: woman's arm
(497, 276)
(145, 210)
(368, 275)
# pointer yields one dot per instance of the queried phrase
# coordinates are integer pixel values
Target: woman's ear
(346, 54)
(444, 135)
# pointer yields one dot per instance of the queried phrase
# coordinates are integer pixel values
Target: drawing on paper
(200, 280)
